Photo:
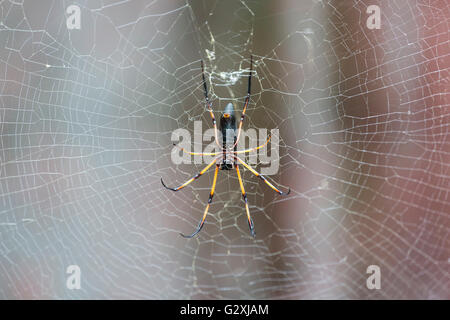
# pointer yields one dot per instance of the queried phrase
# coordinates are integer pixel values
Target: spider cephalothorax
(227, 158)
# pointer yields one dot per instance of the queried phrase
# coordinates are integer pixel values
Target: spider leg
(208, 103)
(253, 149)
(197, 153)
(262, 177)
(211, 194)
(247, 99)
(244, 196)
(191, 179)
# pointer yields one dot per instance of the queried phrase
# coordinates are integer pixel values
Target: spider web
(87, 116)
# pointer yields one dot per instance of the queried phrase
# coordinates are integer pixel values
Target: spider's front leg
(247, 100)
(208, 104)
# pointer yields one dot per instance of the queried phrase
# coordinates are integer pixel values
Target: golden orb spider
(227, 158)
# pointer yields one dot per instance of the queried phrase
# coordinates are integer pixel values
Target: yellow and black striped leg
(211, 195)
(244, 196)
(253, 149)
(262, 178)
(191, 179)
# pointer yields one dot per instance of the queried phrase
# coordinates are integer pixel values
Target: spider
(227, 159)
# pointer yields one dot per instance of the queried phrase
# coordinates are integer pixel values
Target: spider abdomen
(228, 130)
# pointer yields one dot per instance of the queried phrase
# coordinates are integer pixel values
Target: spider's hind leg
(244, 196)
(211, 194)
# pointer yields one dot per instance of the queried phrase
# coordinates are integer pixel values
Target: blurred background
(86, 117)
